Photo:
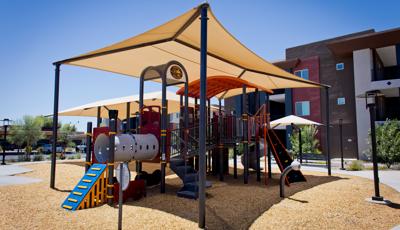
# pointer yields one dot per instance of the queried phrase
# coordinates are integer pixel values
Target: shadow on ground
(230, 204)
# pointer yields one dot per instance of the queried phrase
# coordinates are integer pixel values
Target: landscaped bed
(322, 202)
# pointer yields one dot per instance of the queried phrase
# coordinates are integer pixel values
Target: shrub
(60, 156)
(24, 157)
(309, 141)
(355, 166)
(38, 157)
(40, 150)
(387, 142)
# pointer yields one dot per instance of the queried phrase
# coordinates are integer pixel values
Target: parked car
(47, 148)
(70, 150)
(81, 148)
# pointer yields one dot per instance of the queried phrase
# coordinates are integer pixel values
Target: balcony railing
(386, 73)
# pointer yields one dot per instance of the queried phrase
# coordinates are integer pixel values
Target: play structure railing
(178, 143)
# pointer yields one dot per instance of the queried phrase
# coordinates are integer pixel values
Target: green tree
(17, 136)
(387, 142)
(64, 135)
(28, 131)
(309, 140)
(47, 122)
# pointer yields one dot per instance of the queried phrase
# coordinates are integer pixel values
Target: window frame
(344, 101)
(301, 71)
(301, 103)
(340, 64)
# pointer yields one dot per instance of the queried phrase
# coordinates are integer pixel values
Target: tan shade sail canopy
(179, 39)
(291, 119)
(154, 98)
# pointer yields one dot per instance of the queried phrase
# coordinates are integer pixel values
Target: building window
(340, 66)
(341, 101)
(302, 73)
(302, 108)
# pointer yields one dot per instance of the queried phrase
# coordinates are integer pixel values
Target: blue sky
(36, 33)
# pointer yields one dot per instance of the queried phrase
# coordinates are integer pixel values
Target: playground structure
(200, 142)
(179, 146)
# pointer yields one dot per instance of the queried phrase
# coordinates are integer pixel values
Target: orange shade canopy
(217, 85)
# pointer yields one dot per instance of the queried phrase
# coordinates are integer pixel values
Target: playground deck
(230, 204)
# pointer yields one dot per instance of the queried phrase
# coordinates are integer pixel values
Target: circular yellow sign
(176, 72)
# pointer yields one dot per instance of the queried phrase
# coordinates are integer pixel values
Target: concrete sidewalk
(11, 170)
(387, 177)
(8, 172)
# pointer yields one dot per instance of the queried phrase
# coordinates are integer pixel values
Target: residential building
(352, 65)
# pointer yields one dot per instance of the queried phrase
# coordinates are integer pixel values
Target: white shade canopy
(291, 119)
(179, 39)
(120, 104)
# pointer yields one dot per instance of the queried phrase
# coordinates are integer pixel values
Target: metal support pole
(137, 114)
(328, 148)
(98, 117)
(113, 116)
(186, 117)
(209, 134)
(55, 127)
(128, 116)
(234, 162)
(300, 147)
(288, 111)
(164, 116)
(138, 127)
(258, 168)
(120, 195)
(202, 132)
(269, 147)
(88, 146)
(3, 162)
(341, 143)
(220, 144)
(372, 115)
(245, 140)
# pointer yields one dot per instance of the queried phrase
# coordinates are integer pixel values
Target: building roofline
(356, 34)
(346, 46)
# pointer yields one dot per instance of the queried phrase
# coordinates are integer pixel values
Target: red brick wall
(309, 94)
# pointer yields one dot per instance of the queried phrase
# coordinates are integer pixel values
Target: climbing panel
(91, 190)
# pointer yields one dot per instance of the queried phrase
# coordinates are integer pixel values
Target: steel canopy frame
(202, 123)
(202, 12)
(161, 71)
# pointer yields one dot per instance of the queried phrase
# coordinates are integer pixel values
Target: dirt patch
(336, 205)
(321, 202)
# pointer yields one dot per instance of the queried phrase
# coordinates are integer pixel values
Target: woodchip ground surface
(323, 202)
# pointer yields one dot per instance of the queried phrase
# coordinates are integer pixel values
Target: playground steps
(282, 157)
(90, 191)
(189, 177)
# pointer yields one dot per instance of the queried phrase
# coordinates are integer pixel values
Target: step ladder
(189, 177)
(91, 190)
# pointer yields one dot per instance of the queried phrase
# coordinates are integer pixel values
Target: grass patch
(380, 167)
(355, 166)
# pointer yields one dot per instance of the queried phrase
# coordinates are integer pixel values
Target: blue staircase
(79, 198)
(189, 177)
